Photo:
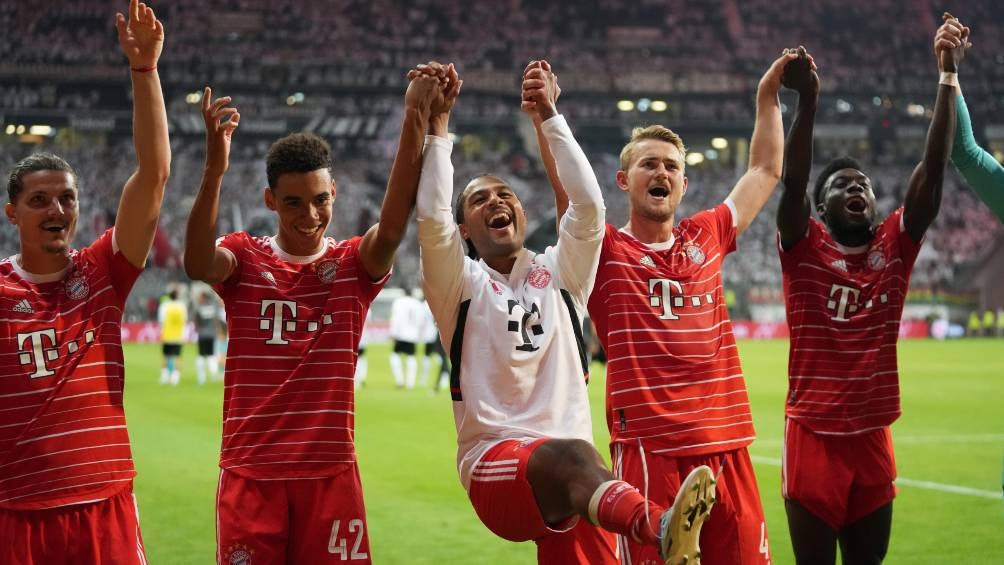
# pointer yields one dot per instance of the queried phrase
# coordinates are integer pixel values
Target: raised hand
(800, 73)
(142, 37)
(449, 85)
(540, 90)
(221, 120)
(950, 43)
(770, 83)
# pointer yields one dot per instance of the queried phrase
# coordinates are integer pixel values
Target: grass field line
(930, 485)
(913, 439)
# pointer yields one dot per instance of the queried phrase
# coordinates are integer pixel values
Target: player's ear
(686, 183)
(622, 180)
(463, 231)
(8, 209)
(269, 196)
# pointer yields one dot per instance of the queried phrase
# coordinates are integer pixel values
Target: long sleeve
(580, 234)
(442, 252)
(983, 173)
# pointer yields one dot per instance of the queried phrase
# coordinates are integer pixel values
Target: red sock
(619, 507)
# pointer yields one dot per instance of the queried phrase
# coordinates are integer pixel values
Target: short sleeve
(235, 244)
(105, 255)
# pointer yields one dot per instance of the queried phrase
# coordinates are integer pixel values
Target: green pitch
(949, 447)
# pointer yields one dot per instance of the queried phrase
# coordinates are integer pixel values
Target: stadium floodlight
(10, 129)
(20, 129)
(915, 110)
(876, 100)
(40, 130)
(294, 99)
(695, 158)
(193, 97)
(659, 105)
(625, 105)
(644, 104)
(719, 142)
(843, 106)
(711, 154)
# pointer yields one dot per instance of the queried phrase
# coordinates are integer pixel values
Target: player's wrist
(950, 78)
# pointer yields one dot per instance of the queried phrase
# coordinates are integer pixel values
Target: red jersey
(844, 307)
(673, 374)
(63, 433)
(294, 325)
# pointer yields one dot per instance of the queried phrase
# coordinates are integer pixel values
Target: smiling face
(654, 180)
(847, 202)
(303, 202)
(45, 212)
(493, 219)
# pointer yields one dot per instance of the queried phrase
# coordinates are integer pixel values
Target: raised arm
(546, 157)
(205, 261)
(983, 173)
(142, 39)
(382, 240)
(794, 210)
(766, 148)
(580, 229)
(923, 195)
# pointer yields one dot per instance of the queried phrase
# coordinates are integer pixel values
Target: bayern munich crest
(238, 554)
(327, 270)
(76, 287)
(695, 254)
(539, 277)
(876, 260)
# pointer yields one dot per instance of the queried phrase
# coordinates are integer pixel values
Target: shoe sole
(681, 533)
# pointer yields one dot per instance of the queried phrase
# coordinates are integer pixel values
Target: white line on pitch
(954, 489)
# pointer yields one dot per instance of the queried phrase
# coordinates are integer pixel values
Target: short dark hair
(838, 164)
(33, 163)
(296, 153)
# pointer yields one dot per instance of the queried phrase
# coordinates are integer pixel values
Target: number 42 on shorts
(339, 545)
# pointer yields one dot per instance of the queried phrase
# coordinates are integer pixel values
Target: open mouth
(658, 191)
(54, 228)
(856, 205)
(309, 231)
(500, 220)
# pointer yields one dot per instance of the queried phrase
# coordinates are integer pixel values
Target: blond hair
(658, 132)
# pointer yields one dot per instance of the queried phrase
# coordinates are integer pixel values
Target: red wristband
(143, 69)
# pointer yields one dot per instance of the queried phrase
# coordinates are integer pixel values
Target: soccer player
(362, 363)
(289, 488)
(845, 282)
(983, 173)
(66, 470)
(207, 322)
(510, 321)
(173, 317)
(676, 399)
(406, 321)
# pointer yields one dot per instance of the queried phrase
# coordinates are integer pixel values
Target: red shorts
(106, 531)
(736, 531)
(504, 500)
(291, 521)
(840, 479)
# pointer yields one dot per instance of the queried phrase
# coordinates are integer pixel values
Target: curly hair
(838, 164)
(32, 163)
(296, 153)
(638, 135)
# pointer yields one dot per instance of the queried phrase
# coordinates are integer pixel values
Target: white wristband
(951, 79)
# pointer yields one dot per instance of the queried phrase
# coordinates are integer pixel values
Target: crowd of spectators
(345, 59)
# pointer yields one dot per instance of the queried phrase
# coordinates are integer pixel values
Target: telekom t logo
(37, 351)
(278, 321)
(657, 297)
(844, 300)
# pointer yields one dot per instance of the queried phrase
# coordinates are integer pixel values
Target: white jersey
(429, 331)
(515, 341)
(407, 318)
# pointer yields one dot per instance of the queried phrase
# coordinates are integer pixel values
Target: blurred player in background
(407, 318)
(66, 470)
(845, 282)
(511, 319)
(676, 398)
(289, 489)
(173, 317)
(207, 328)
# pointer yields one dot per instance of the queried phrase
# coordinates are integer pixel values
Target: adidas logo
(839, 264)
(268, 277)
(24, 307)
(647, 261)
